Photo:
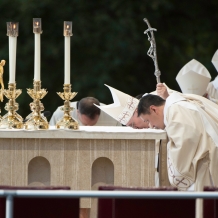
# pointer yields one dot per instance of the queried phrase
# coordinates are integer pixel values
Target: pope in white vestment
(191, 123)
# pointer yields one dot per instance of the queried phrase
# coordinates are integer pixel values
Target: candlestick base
(67, 122)
(36, 120)
(12, 119)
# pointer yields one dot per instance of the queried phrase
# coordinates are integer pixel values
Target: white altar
(82, 159)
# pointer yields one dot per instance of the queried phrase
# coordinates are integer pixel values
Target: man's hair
(86, 107)
(148, 100)
(139, 96)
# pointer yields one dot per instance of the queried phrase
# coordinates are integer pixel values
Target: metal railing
(10, 194)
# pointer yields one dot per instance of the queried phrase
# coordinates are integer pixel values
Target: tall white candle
(12, 32)
(67, 60)
(37, 57)
(12, 58)
(67, 35)
(37, 61)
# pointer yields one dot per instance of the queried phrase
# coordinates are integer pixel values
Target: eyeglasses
(145, 121)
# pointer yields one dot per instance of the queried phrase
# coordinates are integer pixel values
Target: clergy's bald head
(87, 112)
(150, 109)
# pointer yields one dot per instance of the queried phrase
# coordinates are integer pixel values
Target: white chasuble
(192, 127)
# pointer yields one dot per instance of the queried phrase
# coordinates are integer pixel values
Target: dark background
(108, 45)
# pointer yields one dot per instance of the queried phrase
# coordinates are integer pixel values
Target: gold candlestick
(12, 119)
(36, 120)
(67, 121)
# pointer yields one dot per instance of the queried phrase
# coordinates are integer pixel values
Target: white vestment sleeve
(58, 114)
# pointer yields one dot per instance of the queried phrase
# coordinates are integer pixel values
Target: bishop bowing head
(151, 110)
(124, 109)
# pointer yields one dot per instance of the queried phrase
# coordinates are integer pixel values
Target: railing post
(9, 206)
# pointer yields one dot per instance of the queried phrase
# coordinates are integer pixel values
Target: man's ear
(153, 109)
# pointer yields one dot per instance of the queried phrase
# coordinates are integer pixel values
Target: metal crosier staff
(152, 52)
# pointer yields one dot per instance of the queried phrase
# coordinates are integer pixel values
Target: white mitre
(215, 60)
(215, 63)
(123, 107)
(193, 78)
